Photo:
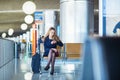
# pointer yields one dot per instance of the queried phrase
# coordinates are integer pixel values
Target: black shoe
(52, 72)
(46, 68)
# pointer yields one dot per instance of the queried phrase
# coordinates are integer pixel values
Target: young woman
(51, 40)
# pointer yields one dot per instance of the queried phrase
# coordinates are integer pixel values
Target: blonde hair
(55, 37)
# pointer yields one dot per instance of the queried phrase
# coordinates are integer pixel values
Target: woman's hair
(55, 37)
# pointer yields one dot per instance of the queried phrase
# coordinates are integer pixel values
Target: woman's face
(52, 33)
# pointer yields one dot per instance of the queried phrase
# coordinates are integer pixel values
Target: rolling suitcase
(36, 63)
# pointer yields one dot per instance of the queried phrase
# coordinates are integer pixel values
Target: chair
(62, 50)
(63, 53)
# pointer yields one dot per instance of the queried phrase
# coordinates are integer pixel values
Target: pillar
(76, 20)
(49, 19)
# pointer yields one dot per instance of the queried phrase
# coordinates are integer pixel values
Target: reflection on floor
(68, 70)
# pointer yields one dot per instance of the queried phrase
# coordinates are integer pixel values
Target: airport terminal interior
(88, 29)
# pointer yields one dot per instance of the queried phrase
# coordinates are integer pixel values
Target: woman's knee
(50, 51)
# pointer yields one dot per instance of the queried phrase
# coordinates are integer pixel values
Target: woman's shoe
(52, 72)
(46, 68)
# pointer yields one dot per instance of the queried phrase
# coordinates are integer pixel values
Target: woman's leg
(52, 63)
(49, 59)
(54, 53)
(51, 56)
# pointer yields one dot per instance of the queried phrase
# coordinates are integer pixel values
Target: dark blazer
(48, 45)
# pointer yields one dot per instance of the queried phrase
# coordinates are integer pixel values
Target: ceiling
(12, 16)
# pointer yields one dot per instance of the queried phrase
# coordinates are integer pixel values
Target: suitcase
(36, 63)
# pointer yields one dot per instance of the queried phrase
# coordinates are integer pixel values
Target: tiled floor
(70, 70)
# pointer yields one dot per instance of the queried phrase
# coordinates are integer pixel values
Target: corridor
(64, 70)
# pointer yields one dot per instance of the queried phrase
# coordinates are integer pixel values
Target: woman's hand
(53, 42)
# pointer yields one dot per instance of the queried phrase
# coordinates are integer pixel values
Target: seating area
(68, 51)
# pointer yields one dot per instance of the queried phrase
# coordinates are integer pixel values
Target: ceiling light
(4, 35)
(24, 26)
(10, 32)
(29, 7)
(28, 19)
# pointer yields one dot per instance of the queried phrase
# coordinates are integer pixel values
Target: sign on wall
(38, 17)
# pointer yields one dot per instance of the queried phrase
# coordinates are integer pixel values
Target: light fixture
(10, 32)
(24, 26)
(28, 19)
(4, 35)
(29, 7)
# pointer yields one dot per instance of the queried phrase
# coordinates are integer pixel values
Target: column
(76, 20)
(49, 19)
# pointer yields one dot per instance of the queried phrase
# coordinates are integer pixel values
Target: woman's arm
(47, 43)
(60, 43)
